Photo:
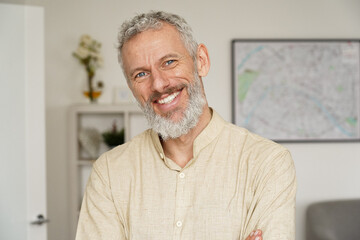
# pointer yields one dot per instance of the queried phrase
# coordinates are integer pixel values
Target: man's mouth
(169, 98)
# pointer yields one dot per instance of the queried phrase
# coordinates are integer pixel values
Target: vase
(94, 96)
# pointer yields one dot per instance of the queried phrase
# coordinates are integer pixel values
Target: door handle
(40, 220)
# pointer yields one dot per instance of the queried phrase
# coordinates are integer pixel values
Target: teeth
(169, 98)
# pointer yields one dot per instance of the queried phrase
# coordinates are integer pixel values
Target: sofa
(333, 220)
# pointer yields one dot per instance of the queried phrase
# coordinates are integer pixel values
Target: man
(193, 175)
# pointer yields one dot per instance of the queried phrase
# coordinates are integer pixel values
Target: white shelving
(100, 117)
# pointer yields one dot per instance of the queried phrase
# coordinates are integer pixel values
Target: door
(22, 123)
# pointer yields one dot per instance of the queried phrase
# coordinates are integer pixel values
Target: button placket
(180, 208)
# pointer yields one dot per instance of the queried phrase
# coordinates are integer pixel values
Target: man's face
(160, 70)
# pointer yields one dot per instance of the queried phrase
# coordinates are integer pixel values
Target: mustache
(157, 95)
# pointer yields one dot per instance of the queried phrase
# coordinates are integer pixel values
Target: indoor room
(60, 113)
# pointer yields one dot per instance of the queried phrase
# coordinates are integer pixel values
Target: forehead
(152, 44)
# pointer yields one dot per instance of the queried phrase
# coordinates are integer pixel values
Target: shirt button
(162, 156)
(178, 223)
(182, 175)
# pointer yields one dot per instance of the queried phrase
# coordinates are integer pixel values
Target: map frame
(236, 93)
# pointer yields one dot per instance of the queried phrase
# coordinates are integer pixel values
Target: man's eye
(169, 62)
(140, 75)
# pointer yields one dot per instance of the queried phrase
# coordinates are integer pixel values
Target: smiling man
(192, 175)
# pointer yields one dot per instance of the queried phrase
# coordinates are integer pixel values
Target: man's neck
(180, 150)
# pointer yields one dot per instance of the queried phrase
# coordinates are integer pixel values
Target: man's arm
(273, 206)
(98, 217)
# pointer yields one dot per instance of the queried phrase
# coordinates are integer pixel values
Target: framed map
(297, 90)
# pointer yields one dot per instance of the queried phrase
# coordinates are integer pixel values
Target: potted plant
(88, 54)
(113, 137)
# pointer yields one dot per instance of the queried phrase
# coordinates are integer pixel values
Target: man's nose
(159, 80)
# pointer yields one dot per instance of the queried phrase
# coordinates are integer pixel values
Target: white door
(22, 123)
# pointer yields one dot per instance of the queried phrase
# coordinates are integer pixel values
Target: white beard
(167, 128)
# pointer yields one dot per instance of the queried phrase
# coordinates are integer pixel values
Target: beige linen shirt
(236, 182)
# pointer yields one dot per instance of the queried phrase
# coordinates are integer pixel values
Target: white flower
(93, 54)
(85, 40)
(89, 50)
(82, 52)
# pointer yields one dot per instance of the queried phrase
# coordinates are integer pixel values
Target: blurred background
(325, 171)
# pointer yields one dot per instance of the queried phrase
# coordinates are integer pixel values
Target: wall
(325, 171)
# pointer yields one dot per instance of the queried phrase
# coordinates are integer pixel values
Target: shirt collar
(210, 132)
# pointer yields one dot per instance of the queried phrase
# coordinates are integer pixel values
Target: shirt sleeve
(273, 207)
(98, 216)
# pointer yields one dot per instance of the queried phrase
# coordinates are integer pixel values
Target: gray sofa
(333, 220)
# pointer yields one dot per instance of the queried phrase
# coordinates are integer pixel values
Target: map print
(297, 90)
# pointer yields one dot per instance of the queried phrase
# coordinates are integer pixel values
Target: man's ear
(203, 60)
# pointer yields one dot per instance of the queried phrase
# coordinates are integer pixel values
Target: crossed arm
(271, 213)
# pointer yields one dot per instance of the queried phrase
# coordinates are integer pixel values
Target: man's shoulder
(250, 141)
(247, 135)
(261, 154)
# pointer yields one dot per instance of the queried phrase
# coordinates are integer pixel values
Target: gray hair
(154, 20)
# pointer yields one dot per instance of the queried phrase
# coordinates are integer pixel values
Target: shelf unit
(100, 117)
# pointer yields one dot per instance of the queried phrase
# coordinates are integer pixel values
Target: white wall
(325, 171)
